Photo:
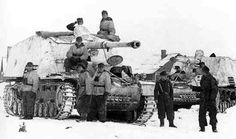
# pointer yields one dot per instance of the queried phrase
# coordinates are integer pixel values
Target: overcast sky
(175, 25)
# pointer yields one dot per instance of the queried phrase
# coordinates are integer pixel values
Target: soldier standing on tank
(29, 90)
(208, 99)
(163, 95)
(77, 53)
(85, 90)
(101, 88)
(79, 29)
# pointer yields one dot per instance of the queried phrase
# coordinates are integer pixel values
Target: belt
(99, 85)
(77, 54)
(105, 30)
(29, 84)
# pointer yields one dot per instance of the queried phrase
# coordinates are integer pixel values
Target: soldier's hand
(156, 101)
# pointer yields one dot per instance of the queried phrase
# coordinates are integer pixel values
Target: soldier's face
(78, 43)
(100, 69)
(79, 68)
(104, 15)
(29, 68)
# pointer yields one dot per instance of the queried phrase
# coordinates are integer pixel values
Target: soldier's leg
(24, 98)
(92, 109)
(30, 105)
(212, 115)
(161, 112)
(102, 109)
(170, 113)
(85, 107)
(67, 64)
(202, 116)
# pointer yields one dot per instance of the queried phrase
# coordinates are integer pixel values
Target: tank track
(11, 101)
(67, 92)
(227, 98)
(60, 108)
(147, 111)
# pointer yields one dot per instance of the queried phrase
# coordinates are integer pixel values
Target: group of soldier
(94, 88)
(163, 95)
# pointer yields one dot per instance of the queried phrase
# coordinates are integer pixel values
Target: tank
(56, 94)
(187, 87)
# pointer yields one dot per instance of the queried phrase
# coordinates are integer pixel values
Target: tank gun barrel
(109, 45)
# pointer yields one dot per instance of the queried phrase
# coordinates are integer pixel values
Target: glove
(156, 101)
(106, 95)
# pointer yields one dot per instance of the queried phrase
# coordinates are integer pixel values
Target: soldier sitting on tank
(77, 53)
(107, 28)
(84, 90)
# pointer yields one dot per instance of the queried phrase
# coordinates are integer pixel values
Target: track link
(227, 98)
(147, 112)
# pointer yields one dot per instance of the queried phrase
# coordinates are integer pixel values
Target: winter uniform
(101, 88)
(107, 26)
(84, 93)
(75, 55)
(163, 93)
(29, 90)
(79, 30)
(107, 30)
(208, 101)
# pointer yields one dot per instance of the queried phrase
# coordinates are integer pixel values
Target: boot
(214, 129)
(202, 129)
(161, 122)
(171, 124)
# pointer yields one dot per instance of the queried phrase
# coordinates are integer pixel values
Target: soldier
(77, 53)
(79, 29)
(107, 28)
(84, 93)
(29, 90)
(163, 95)
(208, 99)
(101, 88)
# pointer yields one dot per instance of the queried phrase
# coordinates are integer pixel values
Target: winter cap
(163, 73)
(177, 67)
(79, 39)
(79, 19)
(205, 69)
(101, 65)
(104, 12)
(29, 64)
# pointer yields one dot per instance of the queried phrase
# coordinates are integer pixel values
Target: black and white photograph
(125, 69)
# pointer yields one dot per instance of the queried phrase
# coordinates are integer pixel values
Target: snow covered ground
(185, 119)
